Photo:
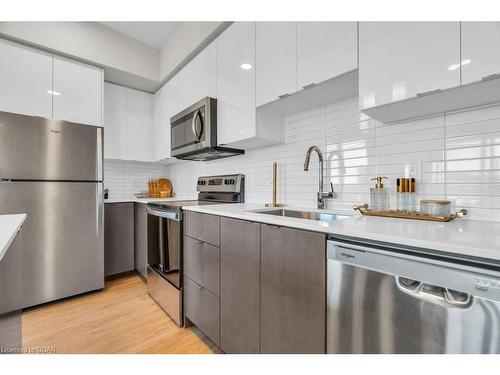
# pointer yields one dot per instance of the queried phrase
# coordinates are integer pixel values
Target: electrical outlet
(410, 171)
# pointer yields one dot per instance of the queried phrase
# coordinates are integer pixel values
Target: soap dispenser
(379, 196)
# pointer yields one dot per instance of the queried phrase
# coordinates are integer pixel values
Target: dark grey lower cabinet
(141, 238)
(202, 309)
(239, 286)
(293, 290)
(118, 238)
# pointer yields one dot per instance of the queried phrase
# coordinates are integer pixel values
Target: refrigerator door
(35, 148)
(63, 251)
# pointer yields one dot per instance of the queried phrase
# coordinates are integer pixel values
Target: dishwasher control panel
(430, 271)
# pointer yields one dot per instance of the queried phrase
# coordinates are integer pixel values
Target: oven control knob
(226, 182)
(231, 181)
(202, 182)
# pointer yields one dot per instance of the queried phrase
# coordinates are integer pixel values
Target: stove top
(211, 190)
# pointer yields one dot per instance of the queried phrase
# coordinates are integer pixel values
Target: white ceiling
(154, 34)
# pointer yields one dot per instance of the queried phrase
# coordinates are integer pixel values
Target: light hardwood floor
(122, 318)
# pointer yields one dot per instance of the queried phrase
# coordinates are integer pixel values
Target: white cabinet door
(399, 60)
(480, 50)
(25, 80)
(236, 83)
(77, 92)
(160, 130)
(325, 50)
(198, 79)
(156, 110)
(276, 60)
(138, 125)
(115, 121)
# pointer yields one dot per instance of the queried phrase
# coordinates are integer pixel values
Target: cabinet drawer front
(202, 308)
(203, 227)
(202, 263)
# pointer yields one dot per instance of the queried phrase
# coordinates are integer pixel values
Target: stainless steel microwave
(194, 133)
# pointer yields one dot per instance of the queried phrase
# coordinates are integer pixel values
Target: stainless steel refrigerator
(52, 171)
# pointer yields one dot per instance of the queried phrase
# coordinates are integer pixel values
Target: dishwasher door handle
(429, 292)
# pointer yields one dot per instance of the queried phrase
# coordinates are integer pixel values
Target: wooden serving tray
(412, 216)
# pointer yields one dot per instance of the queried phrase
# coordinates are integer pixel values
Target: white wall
(457, 156)
(125, 60)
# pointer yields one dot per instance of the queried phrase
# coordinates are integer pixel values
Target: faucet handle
(331, 186)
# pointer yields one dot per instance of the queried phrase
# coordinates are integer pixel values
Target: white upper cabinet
(25, 80)
(160, 127)
(115, 120)
(77, 92)
(480, 50)
(276, 60)
(236, 114)
(198, 78)
(138, 125)
(400, 60)
(325, 50)
(156, 119)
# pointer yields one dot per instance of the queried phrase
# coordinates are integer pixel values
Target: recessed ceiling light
(55, 93)
(246, 66)
(456, 66)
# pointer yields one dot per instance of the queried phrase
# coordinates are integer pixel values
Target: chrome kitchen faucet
(322, 195)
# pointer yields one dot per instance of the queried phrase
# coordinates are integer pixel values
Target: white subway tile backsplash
(124, 178)
(456, 155)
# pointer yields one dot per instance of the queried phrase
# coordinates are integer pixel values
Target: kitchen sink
(310, 215)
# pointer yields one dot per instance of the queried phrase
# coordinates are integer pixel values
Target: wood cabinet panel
(202, 263)
(240, 286)
(203, 227)
(202, 308)
(141, 238)
(293, 290)
(118, 238)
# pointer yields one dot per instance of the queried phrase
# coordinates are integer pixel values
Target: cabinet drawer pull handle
(430, 92)
(199, 287)
(311, 85)
(491, 77)
(284, 96)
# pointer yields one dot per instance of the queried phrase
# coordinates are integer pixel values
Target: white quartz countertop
(9, 226)
(471, 238)
(148, 200)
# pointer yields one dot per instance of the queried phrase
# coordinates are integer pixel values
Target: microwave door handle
(197, 136)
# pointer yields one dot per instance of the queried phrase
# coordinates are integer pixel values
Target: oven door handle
(176, 216)
(197, 137)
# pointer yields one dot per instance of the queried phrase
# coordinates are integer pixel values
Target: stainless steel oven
(194, 133)
(165, 260)
(165, 239)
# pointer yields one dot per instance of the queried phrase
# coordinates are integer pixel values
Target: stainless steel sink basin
(310, 215)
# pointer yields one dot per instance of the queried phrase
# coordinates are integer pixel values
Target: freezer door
(35, 148)
(63, 251)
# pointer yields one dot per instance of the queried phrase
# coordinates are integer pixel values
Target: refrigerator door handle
(99, 152)
(99, 208)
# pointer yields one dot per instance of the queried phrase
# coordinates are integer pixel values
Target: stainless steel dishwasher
(394, 299)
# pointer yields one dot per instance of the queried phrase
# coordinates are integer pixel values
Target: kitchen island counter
(9, 226)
